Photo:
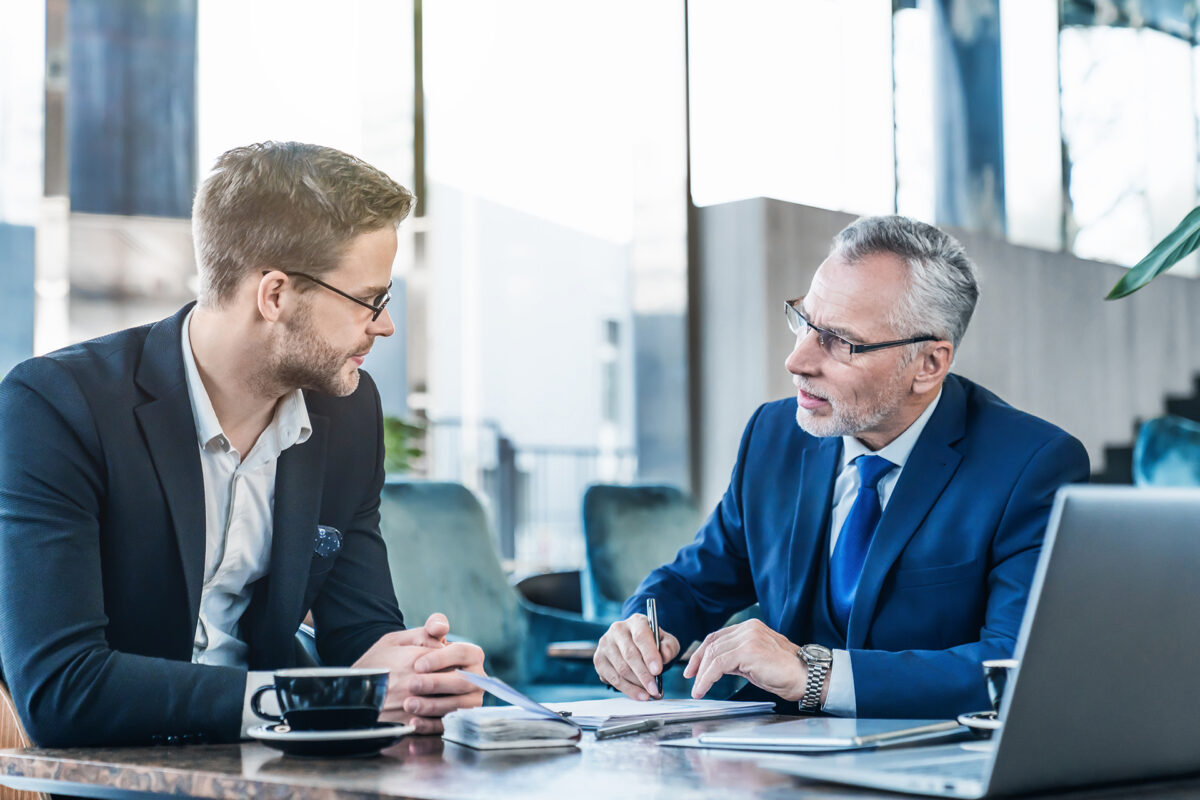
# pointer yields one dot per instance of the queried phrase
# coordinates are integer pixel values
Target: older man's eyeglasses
(835, 346)
(376, 304)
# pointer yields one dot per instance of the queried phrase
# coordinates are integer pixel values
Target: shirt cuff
(840, 700)
(269, 703)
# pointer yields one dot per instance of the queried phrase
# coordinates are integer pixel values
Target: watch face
(816, 652)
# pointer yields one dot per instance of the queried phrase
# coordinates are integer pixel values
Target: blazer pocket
(930, 576)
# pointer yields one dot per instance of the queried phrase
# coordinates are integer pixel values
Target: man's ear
(934, 363)
(271, 298)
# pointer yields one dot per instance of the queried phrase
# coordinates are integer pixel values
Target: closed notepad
(507, 727)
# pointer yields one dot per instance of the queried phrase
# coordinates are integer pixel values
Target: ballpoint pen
(626, 728)
(652, 615)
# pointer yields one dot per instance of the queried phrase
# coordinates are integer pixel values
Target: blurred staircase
(1118, 460)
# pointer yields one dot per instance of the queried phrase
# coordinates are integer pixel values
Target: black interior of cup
(327, 699)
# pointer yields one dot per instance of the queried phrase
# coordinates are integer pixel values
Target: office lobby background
(616, 197)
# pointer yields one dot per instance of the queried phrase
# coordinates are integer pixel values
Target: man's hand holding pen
(627, 660)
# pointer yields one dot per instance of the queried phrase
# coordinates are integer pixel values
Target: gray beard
(842, 422)
(853, 421)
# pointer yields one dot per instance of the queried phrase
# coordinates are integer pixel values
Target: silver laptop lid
(1109, 646)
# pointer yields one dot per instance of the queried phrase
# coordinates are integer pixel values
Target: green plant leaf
(402, 442)
(1174, 247)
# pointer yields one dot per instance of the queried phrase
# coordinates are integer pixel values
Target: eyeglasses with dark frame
(377, 304)
(836, 347)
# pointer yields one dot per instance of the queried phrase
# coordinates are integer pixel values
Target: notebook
(1107, 649)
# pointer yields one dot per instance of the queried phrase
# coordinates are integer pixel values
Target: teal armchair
(442, 557)
(629, 531)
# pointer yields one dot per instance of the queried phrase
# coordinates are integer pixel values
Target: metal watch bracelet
(817, 669)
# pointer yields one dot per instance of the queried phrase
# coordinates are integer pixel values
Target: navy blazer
(102, 538)
(947, 575)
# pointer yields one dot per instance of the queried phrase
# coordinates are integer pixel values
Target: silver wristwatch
(818, 659)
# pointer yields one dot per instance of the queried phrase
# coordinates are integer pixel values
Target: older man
(175, 498)
(887, 520)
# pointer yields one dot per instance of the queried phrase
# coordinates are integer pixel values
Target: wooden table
(427, 768)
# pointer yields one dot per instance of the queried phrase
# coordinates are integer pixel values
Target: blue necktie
(850, 552)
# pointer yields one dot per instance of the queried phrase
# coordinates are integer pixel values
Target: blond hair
(286, 205)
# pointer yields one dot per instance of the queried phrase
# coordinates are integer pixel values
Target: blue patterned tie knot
(850, 552)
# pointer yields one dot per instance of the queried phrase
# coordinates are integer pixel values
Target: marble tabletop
(426, 768)
(422, 767)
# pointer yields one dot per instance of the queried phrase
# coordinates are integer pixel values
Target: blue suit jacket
(948, 571)
(102, 539)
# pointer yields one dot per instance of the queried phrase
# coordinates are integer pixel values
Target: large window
(1129, 131)
(792, 100)
(556, 239)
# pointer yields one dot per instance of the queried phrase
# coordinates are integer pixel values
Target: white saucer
(356, 742)
(982, 722)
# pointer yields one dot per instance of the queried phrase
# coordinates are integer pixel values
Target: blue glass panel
(131, 114)
(16, 301)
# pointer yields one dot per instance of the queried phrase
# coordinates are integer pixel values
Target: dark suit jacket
(102, 537)
(948, 571)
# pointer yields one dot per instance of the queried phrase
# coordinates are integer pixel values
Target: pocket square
(328, 541)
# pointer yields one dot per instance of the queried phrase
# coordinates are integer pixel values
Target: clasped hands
(422, 686)
(627, 660)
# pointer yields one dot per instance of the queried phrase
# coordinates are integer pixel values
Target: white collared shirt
(239, 500)
(841, 700)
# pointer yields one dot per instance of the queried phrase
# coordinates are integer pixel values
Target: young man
(175, 498)
(887, 520)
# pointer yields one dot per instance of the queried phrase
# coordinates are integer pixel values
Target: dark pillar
(969, 118)
(132, 106)
(507, 511)
(661, 381)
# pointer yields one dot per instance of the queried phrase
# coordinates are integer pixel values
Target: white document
(591, 714)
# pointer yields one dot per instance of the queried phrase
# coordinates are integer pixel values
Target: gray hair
(943, 286)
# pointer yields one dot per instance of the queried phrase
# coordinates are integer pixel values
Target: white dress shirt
(841, 701)
(239, 497)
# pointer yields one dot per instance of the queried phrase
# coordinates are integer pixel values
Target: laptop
(1108, 649)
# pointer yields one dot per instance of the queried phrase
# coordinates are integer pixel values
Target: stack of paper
(507, 727)
(592, 714)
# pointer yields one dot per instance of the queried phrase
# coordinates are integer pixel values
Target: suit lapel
(929, 468)
(170, 431)
(818, 468)
(298, 481)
